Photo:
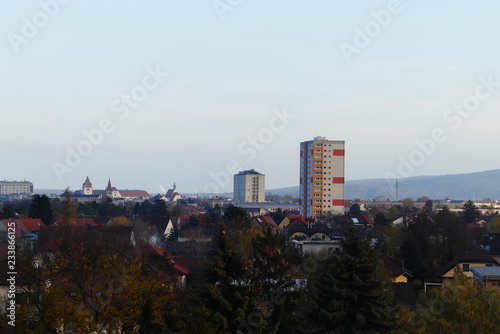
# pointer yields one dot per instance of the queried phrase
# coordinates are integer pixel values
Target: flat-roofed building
(15, 187)
(249, 187)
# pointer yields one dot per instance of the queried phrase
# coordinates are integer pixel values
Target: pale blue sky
(227, 77)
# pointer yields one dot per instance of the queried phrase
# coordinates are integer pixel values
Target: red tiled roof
(134, 193)
(368, 219)
(99, 192)
(20, 229)
(33, 224)
(180, 268)
(266, 221)
(84, 222)
(161, 251)
(183, 219)
(87, 183)
(51, 246)
(296, 221)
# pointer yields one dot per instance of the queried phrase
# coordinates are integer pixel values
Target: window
(465, 267)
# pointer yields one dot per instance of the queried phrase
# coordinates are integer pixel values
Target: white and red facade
(321, 177)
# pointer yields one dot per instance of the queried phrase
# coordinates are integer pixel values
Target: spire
(87, 183)
(174, 186)
(108, 188)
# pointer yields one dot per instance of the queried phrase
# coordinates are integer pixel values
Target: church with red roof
(88, 193)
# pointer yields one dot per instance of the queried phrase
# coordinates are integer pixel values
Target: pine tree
(274, 265)
(231, 295)
(350, 292)
(40, 208)
(470, 212)
(7, 212)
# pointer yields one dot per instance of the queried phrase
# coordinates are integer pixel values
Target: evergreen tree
(236, 218)
(231, 295)
(421, 246)
(108, 209)
(40, 208)
(355, 209)
(278, 215)
(159, 209)
(274, 263)
(470, 212)
(350, 292)
(381, 219)
(455, 238)
(90, 208)
(7, 212)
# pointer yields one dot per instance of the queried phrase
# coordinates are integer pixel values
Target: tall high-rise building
(249, 187)
(321, 177)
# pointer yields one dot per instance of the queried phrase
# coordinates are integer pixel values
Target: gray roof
(249, 172)
(486, 272)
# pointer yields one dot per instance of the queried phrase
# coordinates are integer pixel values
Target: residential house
(309, 231)
(403, 290)
(287, 220)
(181, 271)
(396, 270)
(264, 222)
(473, 257)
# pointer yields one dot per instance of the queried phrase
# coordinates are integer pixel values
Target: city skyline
(152, 94)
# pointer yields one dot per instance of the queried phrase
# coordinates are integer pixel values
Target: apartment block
(322, 177)
(249, 187)
(15, 187)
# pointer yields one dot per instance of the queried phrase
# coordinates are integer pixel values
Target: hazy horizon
(166, 91)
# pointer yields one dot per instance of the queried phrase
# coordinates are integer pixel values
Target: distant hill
(454, 186)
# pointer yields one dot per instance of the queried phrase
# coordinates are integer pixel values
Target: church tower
(87, 187)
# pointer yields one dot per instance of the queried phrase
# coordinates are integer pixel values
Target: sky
(149, 93)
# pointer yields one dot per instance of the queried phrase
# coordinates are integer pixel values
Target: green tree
(470, 212)
(90, 208)
(40, 208)
(278, 215)
(421, 246)
(355, 210)
(7, 212)
(109, 209)
(408, 205)
(494, 225)
(462, 307)
(66, 209)
(274, 264)
(381, 219)
(236, 218)
(350, 292)
(231, 296)
(193, 220)
(159, 209)
(455, 239)
(143, 209)
(96, 280)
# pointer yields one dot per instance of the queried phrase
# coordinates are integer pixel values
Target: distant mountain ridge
(477, 186)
